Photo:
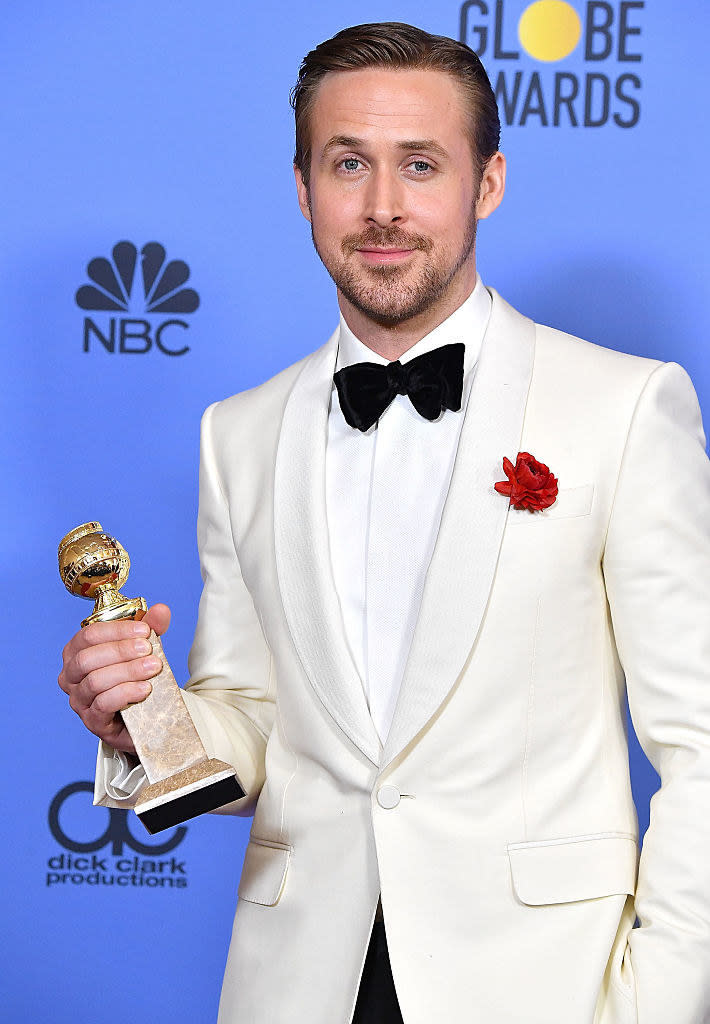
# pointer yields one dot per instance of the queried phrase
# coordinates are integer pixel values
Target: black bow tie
(433, 381)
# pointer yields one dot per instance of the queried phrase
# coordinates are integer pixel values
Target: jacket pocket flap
(570, 502)
(264, 872)
(574, 868)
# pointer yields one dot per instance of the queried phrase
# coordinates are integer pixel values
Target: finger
(158, 618)
(104, 720)
(89, 659)
(111, 730)
(85, 693)
(104, 632)
(117, 736)
(110, 702)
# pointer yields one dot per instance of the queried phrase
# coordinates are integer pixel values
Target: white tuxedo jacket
(498, 821)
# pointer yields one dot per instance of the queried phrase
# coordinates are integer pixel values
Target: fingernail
(142, 647)
(152, 663)
(145, 689)
(141, 629)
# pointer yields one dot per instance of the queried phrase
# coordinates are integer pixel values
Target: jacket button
(388, 797)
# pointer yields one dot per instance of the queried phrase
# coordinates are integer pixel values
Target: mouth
(375, 255)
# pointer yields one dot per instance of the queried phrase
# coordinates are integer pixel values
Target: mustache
(385, 238)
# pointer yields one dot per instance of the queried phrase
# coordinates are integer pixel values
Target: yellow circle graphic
(549, 29)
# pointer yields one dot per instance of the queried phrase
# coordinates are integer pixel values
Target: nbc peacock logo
(134, 288)
(558, 64)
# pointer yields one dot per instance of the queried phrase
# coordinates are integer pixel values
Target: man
(415, 653)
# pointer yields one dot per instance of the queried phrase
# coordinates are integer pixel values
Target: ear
(303, 200)
(492, 189)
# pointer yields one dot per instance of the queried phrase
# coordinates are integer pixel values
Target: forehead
(410, 103)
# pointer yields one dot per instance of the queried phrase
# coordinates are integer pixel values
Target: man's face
(393, 190)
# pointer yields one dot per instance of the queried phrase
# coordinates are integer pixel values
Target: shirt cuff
(119, 777)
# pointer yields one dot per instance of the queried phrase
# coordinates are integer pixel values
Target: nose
(384, 204)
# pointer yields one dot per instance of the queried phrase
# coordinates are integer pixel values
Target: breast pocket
(570, 502)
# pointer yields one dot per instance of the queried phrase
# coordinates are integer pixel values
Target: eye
(350, 164)
(420, 166)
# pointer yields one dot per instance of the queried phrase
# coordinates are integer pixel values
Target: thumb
(158, 618)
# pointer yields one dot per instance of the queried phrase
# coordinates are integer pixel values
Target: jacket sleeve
(230, 693)
(657, 572)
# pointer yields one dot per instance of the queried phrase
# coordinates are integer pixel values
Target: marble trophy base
(182, 780)
(202, 787)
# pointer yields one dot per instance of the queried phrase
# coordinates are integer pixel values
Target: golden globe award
(182, 780)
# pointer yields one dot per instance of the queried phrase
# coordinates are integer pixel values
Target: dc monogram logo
(117, 835)
(137, 287)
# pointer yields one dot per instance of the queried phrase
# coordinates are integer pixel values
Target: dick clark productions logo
(600, 84)
(153, 288)
(97, 856)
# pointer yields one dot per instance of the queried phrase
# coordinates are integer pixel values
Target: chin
(390, 299)
(388, 313)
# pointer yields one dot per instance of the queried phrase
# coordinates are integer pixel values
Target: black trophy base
(195, 790)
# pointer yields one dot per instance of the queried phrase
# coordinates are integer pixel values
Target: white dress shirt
(385, 493)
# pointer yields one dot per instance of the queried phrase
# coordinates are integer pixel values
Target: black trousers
(377, 999)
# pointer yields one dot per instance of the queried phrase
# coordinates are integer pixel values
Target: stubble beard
(387, 293)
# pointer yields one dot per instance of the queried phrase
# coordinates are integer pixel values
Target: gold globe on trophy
(93, 565)
(182, 780)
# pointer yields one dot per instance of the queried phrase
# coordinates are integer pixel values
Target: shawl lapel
(303, 553)
(463, 564)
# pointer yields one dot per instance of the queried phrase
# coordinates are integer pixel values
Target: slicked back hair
(394, 45)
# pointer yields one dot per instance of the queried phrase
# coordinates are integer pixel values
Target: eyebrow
(350, 142)
(342, 142)
(423, 144)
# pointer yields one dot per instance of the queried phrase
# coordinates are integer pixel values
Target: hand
(106, 667)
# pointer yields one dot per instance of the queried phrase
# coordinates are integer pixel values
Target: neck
(393, 340)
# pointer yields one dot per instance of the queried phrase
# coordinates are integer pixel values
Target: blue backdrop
(168, 122)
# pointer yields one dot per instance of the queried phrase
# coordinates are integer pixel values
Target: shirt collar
(467, 324)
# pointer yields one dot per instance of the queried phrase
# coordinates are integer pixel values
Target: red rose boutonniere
(530, 484)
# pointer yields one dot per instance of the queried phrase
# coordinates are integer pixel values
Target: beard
(387, 293)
